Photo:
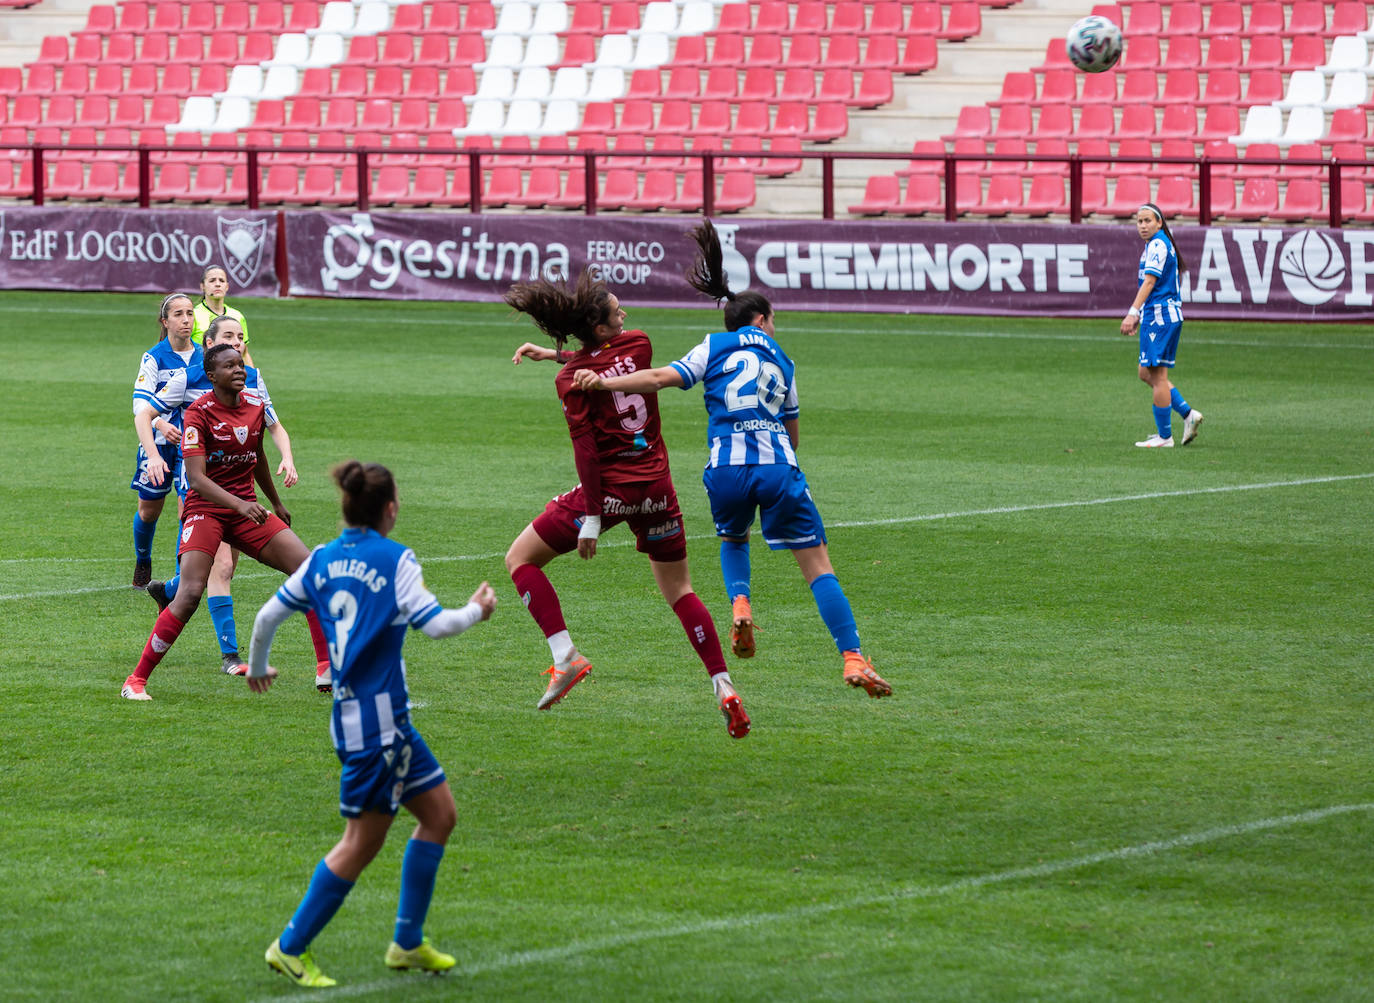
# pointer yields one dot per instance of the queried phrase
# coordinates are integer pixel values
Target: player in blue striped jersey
(184, 387)
(1158, 312)
(173, 352)
(752, 426)
(367, 590)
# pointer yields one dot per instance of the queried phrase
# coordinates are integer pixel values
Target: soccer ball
(1094, 44)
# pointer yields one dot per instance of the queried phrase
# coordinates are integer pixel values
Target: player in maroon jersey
(623, 467)
(221, 447)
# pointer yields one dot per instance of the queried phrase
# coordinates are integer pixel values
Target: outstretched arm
(539, 353)
(644, 381)
(454, 621)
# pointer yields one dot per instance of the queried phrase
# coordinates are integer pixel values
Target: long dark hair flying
(706, 274)
(563, 312)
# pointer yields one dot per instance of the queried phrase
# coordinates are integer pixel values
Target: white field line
(696, 329)
(900, 520)
(784, 917)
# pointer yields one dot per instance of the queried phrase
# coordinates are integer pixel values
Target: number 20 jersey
(367, 590)
(750, 391)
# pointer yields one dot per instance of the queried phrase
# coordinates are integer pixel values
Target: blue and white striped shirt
(158, 365)
(366, 589)
(750, 391)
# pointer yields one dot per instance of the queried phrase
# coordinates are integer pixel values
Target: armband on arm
(1132, 312)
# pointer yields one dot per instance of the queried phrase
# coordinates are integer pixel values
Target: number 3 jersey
(367, 590)
(750, 391)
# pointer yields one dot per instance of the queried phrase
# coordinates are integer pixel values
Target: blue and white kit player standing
(367, 591)
(173, 352)
(752, 427)
(1158, 311)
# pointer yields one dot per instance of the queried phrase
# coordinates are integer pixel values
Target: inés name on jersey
(353, 568)
(621, 367)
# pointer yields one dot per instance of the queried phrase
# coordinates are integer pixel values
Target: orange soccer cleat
(563, 680)
(858, 671)
(742, 628)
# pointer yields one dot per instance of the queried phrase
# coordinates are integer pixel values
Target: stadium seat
(1185, 18)
(1349, 89)
(1223, 87)
(1179, 121)
(1099, 121)
(919, 54)
(1306, 17)
(1303, 198)
(1013, 121)
(1046, 196)
(1175, 196)
(1184, 53)
(964, 21)
(1259, 199)
(1142, 54)
(1142, 148)
(881, 194)
(1004, 195)
(1263, 124)
(1306, 124)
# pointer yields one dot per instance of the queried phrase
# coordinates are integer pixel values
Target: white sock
(721, 678)
(561, 646)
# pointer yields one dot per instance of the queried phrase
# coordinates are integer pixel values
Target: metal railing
(593, 161)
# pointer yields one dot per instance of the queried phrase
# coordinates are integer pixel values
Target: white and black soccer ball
(1094, 44)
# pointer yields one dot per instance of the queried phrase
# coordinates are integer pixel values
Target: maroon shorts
(649, 508)
(204, 530)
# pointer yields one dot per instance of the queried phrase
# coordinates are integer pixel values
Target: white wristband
(1132, 312)
(591, 527)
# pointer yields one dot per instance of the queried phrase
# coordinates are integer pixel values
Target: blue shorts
(779, 492)
(171, 456)
(383, 779)
(1158, 342)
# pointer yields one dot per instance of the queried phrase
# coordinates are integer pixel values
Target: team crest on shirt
(241, 242)
(241, 433)
(191, 437)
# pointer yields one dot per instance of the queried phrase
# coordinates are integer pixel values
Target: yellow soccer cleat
(299, 968)
(423, 958)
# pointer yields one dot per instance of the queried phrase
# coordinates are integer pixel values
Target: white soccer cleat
(1190, 425)
(133, 689)
(563, 680)
(1155, 442)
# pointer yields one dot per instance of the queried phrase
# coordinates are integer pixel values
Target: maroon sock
(317, 636)
(696, 620)
(539, 598)
(166, 629)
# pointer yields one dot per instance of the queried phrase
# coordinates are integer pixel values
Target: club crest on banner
(241, 433)
(241, 242)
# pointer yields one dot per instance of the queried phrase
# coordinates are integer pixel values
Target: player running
(752, 427)
(367, 590)
(221, 447)
(623, 466)
(173, 352)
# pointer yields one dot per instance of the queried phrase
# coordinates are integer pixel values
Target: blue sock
(222, 615)
(1162, 422)
(171, 586)
(143, 538)
(1179, 404)
(322, 900)
(734, 565)
(419, 868)
(835, 611)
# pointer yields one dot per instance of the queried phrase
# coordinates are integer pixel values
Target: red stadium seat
(1184, 19)
(1307, 17)
(1175, 196)
(1096, 120)
(974, 121)
(1348, 17)
(1180, 85)
(1004, 194)
(1046, 196)
(737, 193)
(1142, 86)
(1303, 198)
(885, 17)
(1223, 87)
(1145, 20)
(542, 187)
(1013, 120)
(1256, 152)
(1136, 121)
(619, 188)
(831, 122)
(504, 186)
(1142, 53)
(919, 54)
(965, 21)
(1055, 57)
(1305, 52)
(841, 52)
(1053, 146)
(1179, 122)
(688, 50)
(210, 184)
(638, 116)
(875, 89)
(846, 18)
(1263, 87)
(1259, 199)
(880, 53)
(722, 84)
(809, 16)
(1222, 198)
(713, 118)
(924, 194)
(1098, 89)
(772, 15)
(658, 191)
(1224, 52)
(1266, 20)
(1134, 148)
(1017, 88)
(1184, 53)
(574, 191)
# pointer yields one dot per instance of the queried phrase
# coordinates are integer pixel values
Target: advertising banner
(1269, 273)
(136, 250)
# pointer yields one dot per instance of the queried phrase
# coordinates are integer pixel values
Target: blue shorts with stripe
(382, 779)
(1160, 325)
(780, 494)
(148, 491)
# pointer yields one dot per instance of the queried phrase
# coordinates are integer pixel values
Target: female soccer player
(752, 427)
(214, 286)
(623, 466)
(221, 446)
(367, 589)
(173, 352)
(185, 387)
(1158, 313)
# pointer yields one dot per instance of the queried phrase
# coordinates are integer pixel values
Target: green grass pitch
(1128, 756)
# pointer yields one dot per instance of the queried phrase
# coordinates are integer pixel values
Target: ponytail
(706, 274)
